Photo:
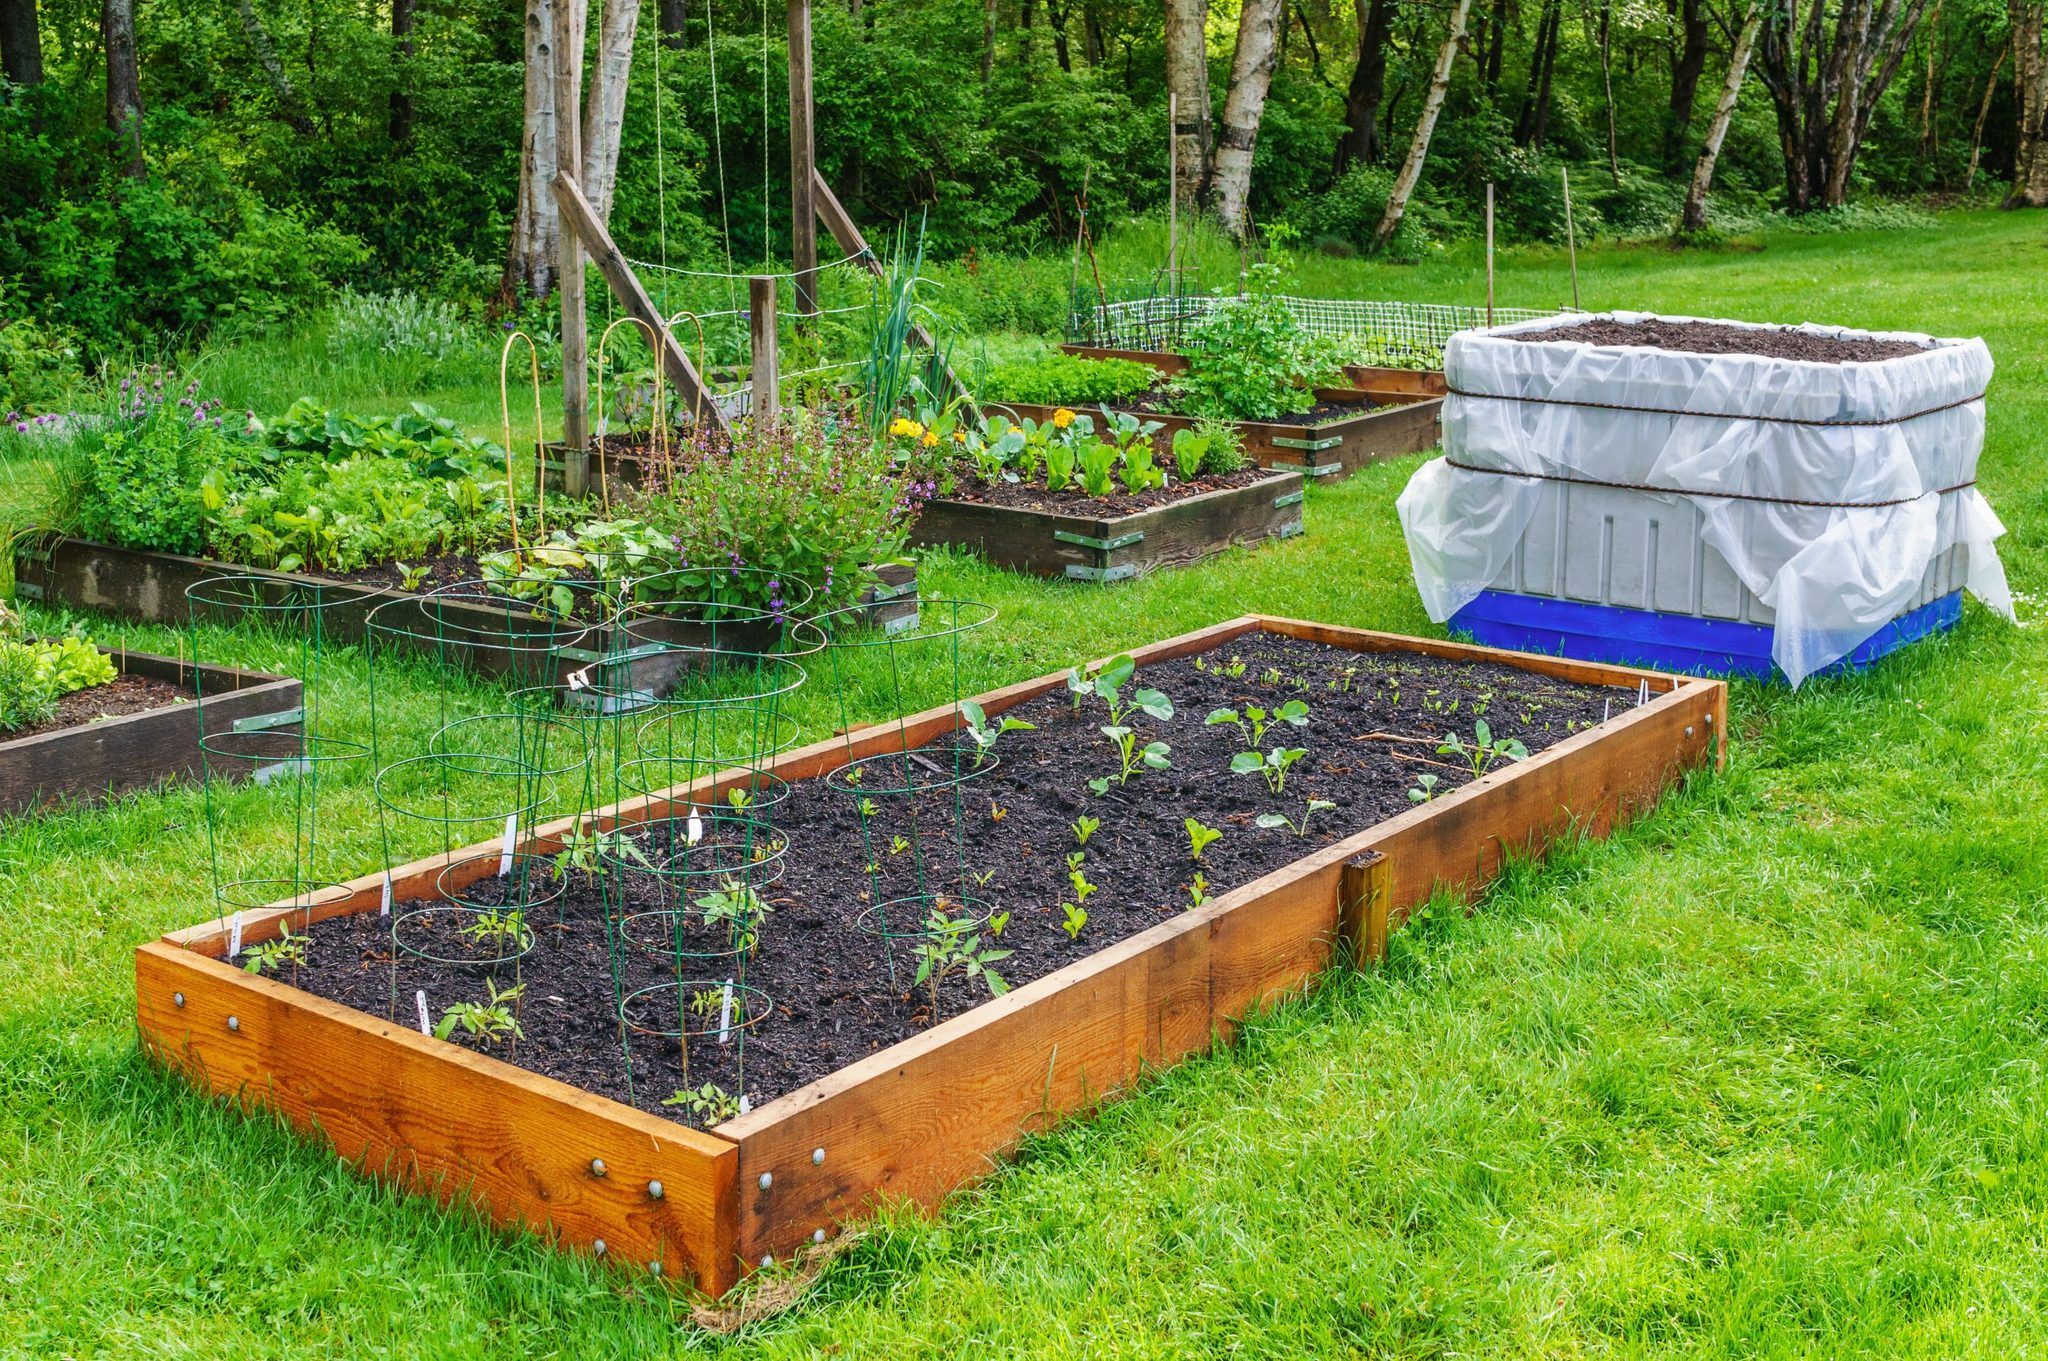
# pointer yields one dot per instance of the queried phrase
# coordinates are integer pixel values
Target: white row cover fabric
(1832, 575)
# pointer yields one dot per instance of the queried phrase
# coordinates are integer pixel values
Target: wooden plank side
(442, 1120)
(1270, 939)
(918, 1120)
(1202, 526)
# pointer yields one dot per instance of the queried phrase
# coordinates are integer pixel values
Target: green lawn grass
(1762, 1074)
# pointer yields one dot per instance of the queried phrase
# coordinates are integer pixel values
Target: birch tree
(1425, 128)
(2030, 88)
(604, 111)
(1695, 216)
(1251, 80)
(1187, 76)
(536, 225)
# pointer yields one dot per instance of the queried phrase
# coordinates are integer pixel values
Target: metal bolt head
(654, 1268)
(1688, 730)
(177, 999)
(654, 1190)
(597, 1167)
(818, 1156)
(234, 1023)
(768, 1260)
(767, 1180)
(598, 1247)
(818, 1237)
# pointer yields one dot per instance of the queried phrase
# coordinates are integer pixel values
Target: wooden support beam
(682, 375)
(802, 162)
(761, 321)
(837, 221)
(568, 73)
(1364, 895)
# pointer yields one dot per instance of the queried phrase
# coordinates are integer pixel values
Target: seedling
(1272, 820)
(1341, 682)
(1083, 828)
(586, 851)
(1270, 676)
(1198, 891)
(948, 949)
(985, 733)
(1424, 789)
(707, 1001)
(1252, 723)
(981, 877)
(502, 930)
(1075, 919)
(411, 578)
(272, 956)
(995, 812)
(1082, 888)
(998, 924)
(1484, 752)
(866, 808)
(486, 1021)
(1107, 684)
(710, 1103)
(1199, 836)
(1132, 758)
(740, 908)
(1272, 764)
(897, 845)
(1234, 668)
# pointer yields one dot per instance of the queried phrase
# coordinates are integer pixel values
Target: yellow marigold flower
(1062, 418)
(930, 438)
(903, 425)
(959, 437)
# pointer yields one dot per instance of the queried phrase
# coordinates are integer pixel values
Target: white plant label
(1606, 708)
(505, 848)
(725, 1014)
(235, 936)
(426, 1025)
(693, 830)
(384, 908)
(745, 1105)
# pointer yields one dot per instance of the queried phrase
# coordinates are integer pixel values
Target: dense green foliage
(1053, 379)
(37, 672)
(1251, 360)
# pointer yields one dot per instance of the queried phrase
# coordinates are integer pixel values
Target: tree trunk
(288, 104)
(1927, 134)
(1607, 83)
(2030, 88)
(1695, 216)
(21, 42)
(1425, 127)
(670, 17)
(1826, 77)
(402, 47)
(1251, 79)
(604, 109)
(1056, 20)
(1983, 113)
(1361, 139)
(1496, 33)
(536, 226)
(124, 86)
(1529, 126)
(1686, 69)
(1187, 76)
(988, 41)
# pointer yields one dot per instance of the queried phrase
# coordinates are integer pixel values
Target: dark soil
(1161, 400)
(1074, 501)
(1705, 337)
(826, 996)
(446, 569)
(119, 696)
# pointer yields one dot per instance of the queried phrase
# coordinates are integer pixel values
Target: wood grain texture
(90, 762)
(441, 1120)
(1175, 534)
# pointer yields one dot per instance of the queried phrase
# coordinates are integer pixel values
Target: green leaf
(1247, 763)
(1271, 820)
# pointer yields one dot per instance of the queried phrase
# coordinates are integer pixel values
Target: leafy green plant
(1249, 358)
(1098, 462)
(984, 733)
(1423, 790)
(1271, 765)
(1270, 821)
(489, 1021)
(950, 947)
(1483, 752)
(272, 955)
(1200, 837)
(1055, 378)
(710, 1103)
(740, 908)
(1085, 827)
(1253, 721)
(1190, 447)
(1073, 919)
(501, 929)
(1141, 471)
(1078, 878)
(1154, 755)
(1198, 890)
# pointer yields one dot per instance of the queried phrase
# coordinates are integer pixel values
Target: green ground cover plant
(1759, 1076)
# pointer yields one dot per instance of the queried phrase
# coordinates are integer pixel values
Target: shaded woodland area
(168, 166)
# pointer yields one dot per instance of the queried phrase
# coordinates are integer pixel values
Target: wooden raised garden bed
(98, 758)
(1117, 547)
(1370, 381)
(146, 585)
(918, 1118)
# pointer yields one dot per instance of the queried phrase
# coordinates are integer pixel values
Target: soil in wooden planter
(1073, 501)
(1162, 400)
(825, 994)
(1705, 337)
(119, 696)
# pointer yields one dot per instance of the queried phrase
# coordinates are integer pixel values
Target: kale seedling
(1424, 790)
(1272, 820)
(985, 733)
(1253, 722)
(949, 949)
(1273, 765)
(1484, 752)
(1199, 836)
(1153, 755)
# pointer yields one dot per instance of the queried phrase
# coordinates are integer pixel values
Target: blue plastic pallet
(1669, 642)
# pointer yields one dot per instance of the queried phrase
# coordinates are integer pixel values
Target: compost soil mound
(823, 987)
(1074, 501)
(1706, 337)
(119, 696)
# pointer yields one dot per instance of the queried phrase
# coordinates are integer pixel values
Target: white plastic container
(1719, 512)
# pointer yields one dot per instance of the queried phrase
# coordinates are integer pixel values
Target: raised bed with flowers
(79, 723)
(906, 946)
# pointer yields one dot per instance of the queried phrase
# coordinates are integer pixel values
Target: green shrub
(404, 324)
(136, 476)
(1250, 359)
(1065, 380)
(25, 694)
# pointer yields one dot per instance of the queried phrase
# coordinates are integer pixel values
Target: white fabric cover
(1833, 577)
